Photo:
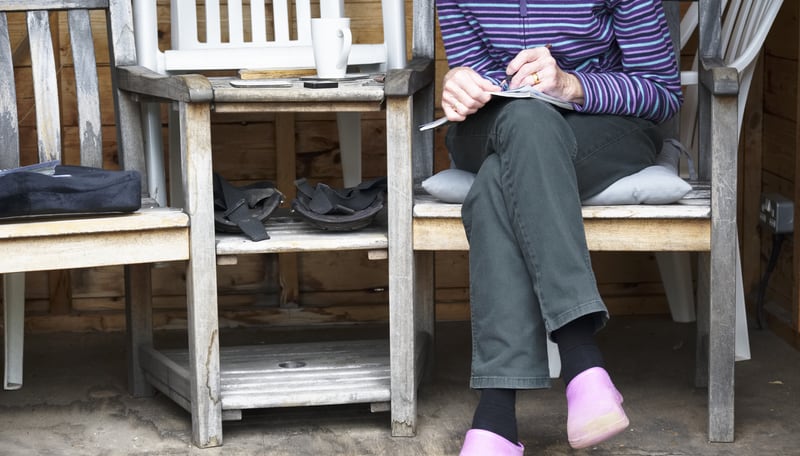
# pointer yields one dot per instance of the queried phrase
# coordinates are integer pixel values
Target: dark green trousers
(530, 271)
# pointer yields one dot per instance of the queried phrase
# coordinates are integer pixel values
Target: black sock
(496, 413)
(577, 347)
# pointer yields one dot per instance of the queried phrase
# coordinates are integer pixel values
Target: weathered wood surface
(705, 226)
(77, 240)
(144, 219)
(201, 295)
(402, 285)
(9, 129)
(358, 90)
(673, 227)
(45, 86)
(288, 234)
(237, 139)
(284, 375)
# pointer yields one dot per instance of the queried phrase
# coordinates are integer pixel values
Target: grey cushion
(656, 184)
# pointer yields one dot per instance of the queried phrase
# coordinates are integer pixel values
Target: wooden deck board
(290, 234)
(288, 375)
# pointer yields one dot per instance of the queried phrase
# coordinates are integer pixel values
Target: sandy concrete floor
(74, 402)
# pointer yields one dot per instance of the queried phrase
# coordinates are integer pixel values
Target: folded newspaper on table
(519, 92)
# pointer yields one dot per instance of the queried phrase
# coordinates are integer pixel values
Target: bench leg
(716, 341)
(14, 324)
(139, 325)
(402, 287)
(701, 343)
(201, 276)
(425, 309)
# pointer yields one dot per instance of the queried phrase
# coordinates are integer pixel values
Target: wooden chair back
(744, 29)
(707, 224)
(55, 104)
(63, 89)
(259, 35)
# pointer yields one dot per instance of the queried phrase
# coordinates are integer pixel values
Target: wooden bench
(420, 226)
(66, 88)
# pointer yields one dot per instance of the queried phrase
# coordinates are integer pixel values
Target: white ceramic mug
(331, 40)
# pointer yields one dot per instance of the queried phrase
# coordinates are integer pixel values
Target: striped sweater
(620, 50)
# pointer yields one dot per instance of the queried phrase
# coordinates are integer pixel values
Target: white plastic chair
(745, 27)
(261, 40)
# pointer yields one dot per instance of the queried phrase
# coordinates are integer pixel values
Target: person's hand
(537, 68)
(464, 92)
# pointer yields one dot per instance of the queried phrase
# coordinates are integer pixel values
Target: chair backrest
(263, 35)
(65, 91)
(745, 26)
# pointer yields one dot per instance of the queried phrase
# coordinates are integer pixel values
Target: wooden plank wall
(244, 151)
(771, 166)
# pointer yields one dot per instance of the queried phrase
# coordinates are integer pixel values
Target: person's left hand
(537, 67)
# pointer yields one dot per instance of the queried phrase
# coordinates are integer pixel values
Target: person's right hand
(464, 92)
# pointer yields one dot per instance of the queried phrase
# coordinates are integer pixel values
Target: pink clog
(480, 442)
(594, 409)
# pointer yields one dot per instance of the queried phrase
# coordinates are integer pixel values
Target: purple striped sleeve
(619, 49)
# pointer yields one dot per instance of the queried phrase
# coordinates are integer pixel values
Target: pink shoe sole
(594, 408)
(480, 442)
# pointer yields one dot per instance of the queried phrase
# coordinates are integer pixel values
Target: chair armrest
(407, 81)
(718, 78)
(190, 88)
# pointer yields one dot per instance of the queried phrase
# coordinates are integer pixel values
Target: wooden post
(718, 128)
(402, 327)
(203, 321)
(286, 169)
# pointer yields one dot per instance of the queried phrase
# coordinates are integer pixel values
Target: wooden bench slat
(627, 234)
(9, 129)
(426, 206)
(144, 219)
(87, 88)
(45, 86)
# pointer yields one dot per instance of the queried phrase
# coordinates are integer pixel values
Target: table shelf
(289, 233)
(282, 375)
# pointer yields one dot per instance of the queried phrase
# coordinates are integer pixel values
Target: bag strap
(238, 211)
(323, 199)
(684, 152)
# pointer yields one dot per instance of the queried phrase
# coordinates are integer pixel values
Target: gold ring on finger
(535, 77)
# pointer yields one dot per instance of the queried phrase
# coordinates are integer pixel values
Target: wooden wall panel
(780, 169)
(250, 291)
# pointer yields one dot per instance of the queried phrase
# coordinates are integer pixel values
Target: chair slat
(235, 22)
(280, 11)
(128, 111)
(213, 26)
(728, 22)
(9, 129)
(30, 5)
(303, 10)
(45, 86)
(183, 25)
(87, 88)
(258, 22)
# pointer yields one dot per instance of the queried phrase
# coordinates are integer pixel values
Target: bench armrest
(190, 88)
(718, 78)
(407, 81)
